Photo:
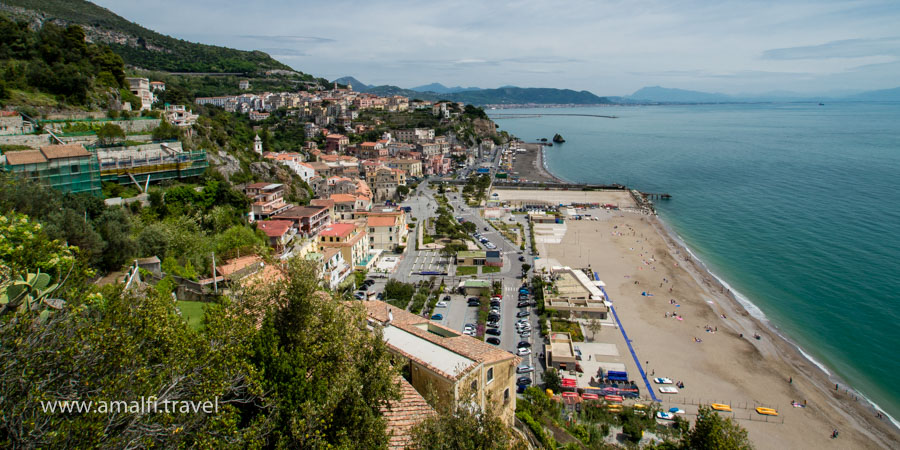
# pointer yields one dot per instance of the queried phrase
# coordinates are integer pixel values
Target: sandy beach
(633, 253)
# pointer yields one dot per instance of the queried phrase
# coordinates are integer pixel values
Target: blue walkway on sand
(630, 348)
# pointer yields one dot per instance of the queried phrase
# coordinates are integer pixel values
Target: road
(456, 314)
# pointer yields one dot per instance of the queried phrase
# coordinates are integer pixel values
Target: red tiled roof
(338, 229)
(275, 228)
(64, 151)
(402, 415)
(236, 264)
(16, 158)
(343, 198)
(300, 212)
(376, 221)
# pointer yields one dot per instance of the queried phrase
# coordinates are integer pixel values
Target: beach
(653, 281)
(529, 166)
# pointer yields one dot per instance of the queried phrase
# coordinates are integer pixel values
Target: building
(221, 102)
(156, 162)
(413, 135)
(560, 352)
(372, 150)
(345, 205)
(471, 258)
(334, 268)
(141, 88)
(280, 233)
(476, 287)
(454, 366)
(256, 116)
(350, 240)
(336, 143)
(386, 229)
(309, 220)
(69, 168)
(384, 181)
(400, 416)
(267, 199)
(180, 116)
(412, 167)
(244, 85)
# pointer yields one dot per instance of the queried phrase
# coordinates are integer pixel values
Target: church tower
(257, 145)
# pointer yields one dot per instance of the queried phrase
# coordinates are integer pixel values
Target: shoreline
(883, 432)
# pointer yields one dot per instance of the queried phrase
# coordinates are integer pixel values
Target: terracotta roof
(368, 144)
(461, 344)
(64, 151)
(379, 221)
(8, 114)
(402, 415)
(338, 229)
(275, 228)
(300, 212)
(326, 202)
(343, 198)
(233, 265)
(257, 185)
(16, 158)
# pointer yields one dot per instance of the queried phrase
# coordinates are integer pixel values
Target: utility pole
(215, 282)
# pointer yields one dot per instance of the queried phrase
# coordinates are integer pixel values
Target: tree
(402, 190)
(595, 326)
(327, 375)
(525, 268)
(114, 226)
(464, 425)
(109, 133)
(552, 380)
(713, 432)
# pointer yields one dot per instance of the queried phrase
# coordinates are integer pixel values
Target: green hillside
(146, 48)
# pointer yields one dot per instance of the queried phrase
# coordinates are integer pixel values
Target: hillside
(137, 45)
(882, 95)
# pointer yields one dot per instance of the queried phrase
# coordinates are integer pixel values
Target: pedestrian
(791, 380)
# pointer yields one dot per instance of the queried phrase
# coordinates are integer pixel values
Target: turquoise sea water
(796, 206)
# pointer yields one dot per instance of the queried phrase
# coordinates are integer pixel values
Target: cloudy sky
(609, 47)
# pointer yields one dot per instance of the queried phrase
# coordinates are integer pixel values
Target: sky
(608, 47)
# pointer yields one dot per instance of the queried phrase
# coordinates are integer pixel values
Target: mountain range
(657, 94)
(504, 95)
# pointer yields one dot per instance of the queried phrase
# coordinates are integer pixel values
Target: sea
(795, 206)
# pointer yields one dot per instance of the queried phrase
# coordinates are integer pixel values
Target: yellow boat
(614, 408)
(766, 411)
(720, 407)
(640, 406)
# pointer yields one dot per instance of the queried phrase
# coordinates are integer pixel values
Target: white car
(524, 351)
(441, 304)
(525, 368)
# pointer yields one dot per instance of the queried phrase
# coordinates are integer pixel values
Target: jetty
(526, 116)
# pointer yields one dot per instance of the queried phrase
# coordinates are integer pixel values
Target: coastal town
(561, 314)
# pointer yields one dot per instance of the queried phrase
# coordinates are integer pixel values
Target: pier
(656, 195)
(526, 116)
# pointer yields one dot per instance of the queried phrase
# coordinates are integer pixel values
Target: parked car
(522, 258)
(523, 313)
(475, 303)
(492, 340)
(493, 324)
(523, 344)
(437, 317)
(523, 304)
(446, 298)
(525, 368)
(524, 381)
(525, 334)
(441, 305)
(380, 296)
(495, 302)
(493, 331)
(359, 295)
(485, 228)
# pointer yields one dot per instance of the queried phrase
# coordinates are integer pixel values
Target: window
(506, 395)
(490, 375)
(371, 230)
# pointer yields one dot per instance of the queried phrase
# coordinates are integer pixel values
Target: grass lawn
(193, 313)
(489, 269)
(565, 326)
(466, 270)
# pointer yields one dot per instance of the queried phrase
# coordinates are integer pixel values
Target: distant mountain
(139, 46)
(518, 96)
(441, 89)
(882, 95)
(358, 86)
(669, 95)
